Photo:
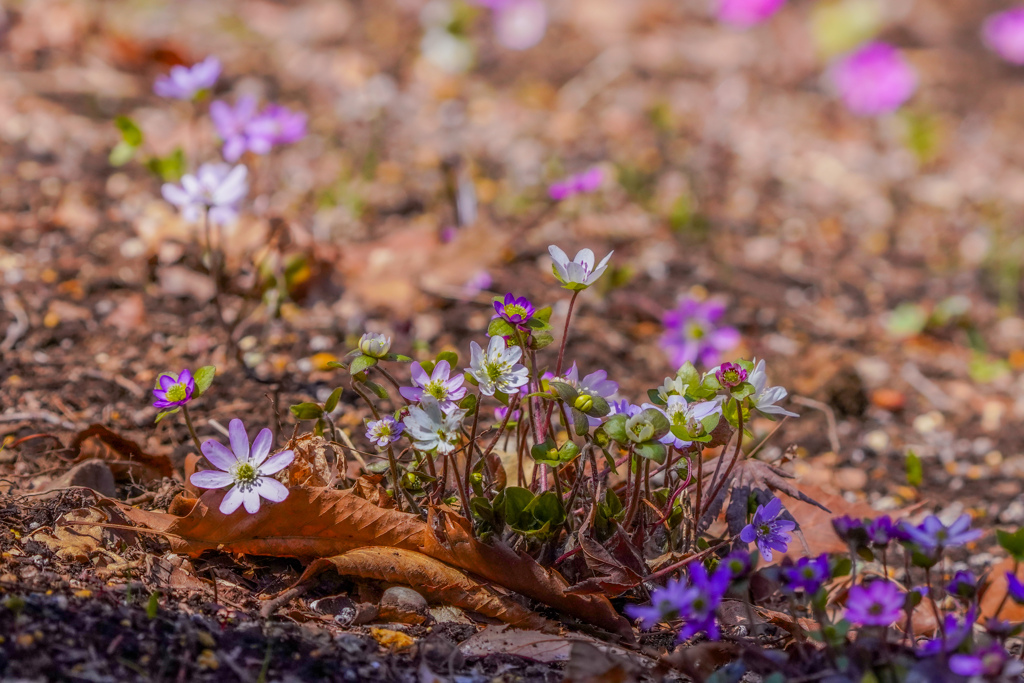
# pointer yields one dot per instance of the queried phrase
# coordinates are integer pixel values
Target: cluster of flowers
(217, 188)
(874, 601)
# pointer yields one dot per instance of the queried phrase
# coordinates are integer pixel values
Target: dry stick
(679, 565)
(735, 459)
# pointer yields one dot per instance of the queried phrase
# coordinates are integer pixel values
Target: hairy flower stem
(513, 404)
(469, 448)
(538, 434)
(394, 382)
(191, 429)
(737, 454)
(935, 607)
(700, 491)
(634, 496)
(561, 356)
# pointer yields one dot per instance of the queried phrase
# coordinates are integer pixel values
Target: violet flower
(769, 532)
(445, 389)
(933, 534)
(384, 432)
(692, 333)
(216, 188)
(730, 375)
(809, 574)
(737, 563)
(881, 531)
(874, 79)
(580, 183)
(174, 391)
(277, 125)
(746, 13)
(515, 311)
(1015, 588)
(956, 632)
(232, 126)
(694, 602)
(989, 663)
(876, 604)
(964, 585)
(187, 82)
(1003, 32)
(664, 604)
(850, 530)
(247, 472)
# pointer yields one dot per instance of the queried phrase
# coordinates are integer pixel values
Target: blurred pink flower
(1004, 33)
(747, 12)
(518, 24)
(874, 79)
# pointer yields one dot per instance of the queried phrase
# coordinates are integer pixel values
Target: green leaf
(121, 154)
(547, 509)
(537, 325)
(362, 363)
(332, 401)
(1012, 543)
(164, 413)
(203, 379)
(130, 132)
(337, 364)
(307, 411)
(568, 452)
(428, 367)
(742, 391)
(689, 375)
(655, 397)
(543, 314)
(580, 423)
(381, 392)
(652, 450)
(153, 605)
(481, 507)
(450, 356)
(915, 472)
(398, 357)
(658, 421)
(843, 567)
(615, 427)
(501, 328)
(565, 391)
(468, 403)
(510, 505)
(540, 340)
(318, 428)
(600, 407)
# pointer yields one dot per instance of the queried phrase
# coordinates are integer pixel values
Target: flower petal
(277, 463)
(251, 500)
(261, 446)
(239, 440)
(211, 479)
(558, 256)
(218, 454)
(271, 489)
(231, 501)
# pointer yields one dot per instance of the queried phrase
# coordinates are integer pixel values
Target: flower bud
(374, 345)
(583, 403)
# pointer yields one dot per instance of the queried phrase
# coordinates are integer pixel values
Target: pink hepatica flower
(217, 188)
(1004, 33)
(586, 182)
(874, 79)
(437, 384)
(744, 13)
(246, 471)
(186, 82)
(693, 334)
(518, 24)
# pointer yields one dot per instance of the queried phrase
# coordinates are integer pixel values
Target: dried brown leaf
(124, 457)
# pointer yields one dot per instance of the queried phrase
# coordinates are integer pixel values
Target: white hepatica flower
(247, 472)
(375, 345)
(764, 397)
(217, 188)
(498, 368)
(579, 273)
(431, 428)
(689, 415)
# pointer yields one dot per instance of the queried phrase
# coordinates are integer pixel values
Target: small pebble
(403, 605)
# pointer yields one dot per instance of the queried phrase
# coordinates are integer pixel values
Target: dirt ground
(733, 172)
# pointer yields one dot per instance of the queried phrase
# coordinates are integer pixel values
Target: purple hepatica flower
(174, 391)
(1004, 33)
(515, 311)
(186, 82)
(247, 472)
(277, 125)
(745, 13)
(692, 333)
(809, 574)
(963, 585)
(581, 183)
(665, 604)
(737, 563)
(701, 599)
(1015, 588)
(877, 604)
(956, 633)
(446, 390)
(880, 531)
(217, 188)
(933, 534)
(874, 79)
(767, 531)
(989, 663)
(730, 375)
(232, 126)
(850, 530)
(384, 432)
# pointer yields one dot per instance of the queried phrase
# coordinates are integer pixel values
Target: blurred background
(843, 177)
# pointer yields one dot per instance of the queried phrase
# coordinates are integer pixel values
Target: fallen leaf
(700, 660)
(320, 523)
(540, 647)
(310, 466)
(437, 580)
(995, 593)
(124, 457)
(589, 664)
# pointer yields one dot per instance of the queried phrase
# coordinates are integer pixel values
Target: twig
(830, 418)
(39, 416)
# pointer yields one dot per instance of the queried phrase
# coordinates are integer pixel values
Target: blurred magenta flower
(186, 82)
(588, 181)
(218, 188)
(874, 79)
(692, 333)
(746, 13)
(878, 603)
(518, 24)
(243, 130)
(1004, 33)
